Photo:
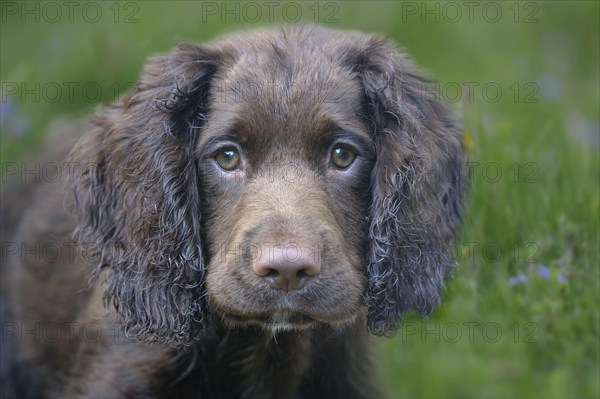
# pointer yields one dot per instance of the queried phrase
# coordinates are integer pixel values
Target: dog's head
(284, 178)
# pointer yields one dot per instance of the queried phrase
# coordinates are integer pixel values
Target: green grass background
(538, 337)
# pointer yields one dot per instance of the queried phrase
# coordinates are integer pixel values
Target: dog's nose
(287, 268)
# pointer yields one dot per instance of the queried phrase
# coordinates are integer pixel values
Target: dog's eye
(228, 159)
(342, 157)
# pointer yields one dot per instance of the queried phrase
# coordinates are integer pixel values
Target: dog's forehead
(278, 66)
(285, 93)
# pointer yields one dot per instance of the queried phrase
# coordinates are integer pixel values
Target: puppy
(248, 213)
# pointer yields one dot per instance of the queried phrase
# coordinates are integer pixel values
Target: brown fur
(173, 240)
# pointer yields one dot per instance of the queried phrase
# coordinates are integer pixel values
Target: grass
(538, 221)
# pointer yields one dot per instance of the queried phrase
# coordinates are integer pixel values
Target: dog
(250, 213)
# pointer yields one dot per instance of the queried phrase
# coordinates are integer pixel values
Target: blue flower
(6, 111)
(543, 271)
(521, 278)
(16, 126)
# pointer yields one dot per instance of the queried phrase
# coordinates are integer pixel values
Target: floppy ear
(416, 187)
(137, 198)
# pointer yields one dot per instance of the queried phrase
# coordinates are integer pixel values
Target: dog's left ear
(417, 186)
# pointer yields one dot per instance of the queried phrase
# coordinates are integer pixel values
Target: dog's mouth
(279, 320)
(285, 312)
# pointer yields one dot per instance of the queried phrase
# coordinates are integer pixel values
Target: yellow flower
(467, 141)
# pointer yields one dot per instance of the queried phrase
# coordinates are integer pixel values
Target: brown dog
(249, 210)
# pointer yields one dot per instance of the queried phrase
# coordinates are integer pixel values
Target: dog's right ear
(137, 197)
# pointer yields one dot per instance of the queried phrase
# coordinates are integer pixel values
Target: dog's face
(285, 164)
(282, 179)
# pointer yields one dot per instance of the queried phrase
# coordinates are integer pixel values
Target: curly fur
(139, 214)
(414, 212)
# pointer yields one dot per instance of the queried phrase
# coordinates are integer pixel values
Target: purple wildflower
(543, 271)
(521, 278)
(6, 111)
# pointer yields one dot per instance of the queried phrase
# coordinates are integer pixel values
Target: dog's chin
(285, 320)
(280, 320)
